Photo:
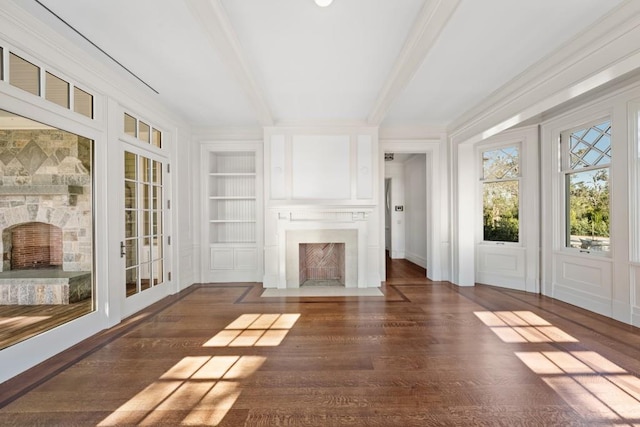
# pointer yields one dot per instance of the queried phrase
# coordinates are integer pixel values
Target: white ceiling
(261, 62)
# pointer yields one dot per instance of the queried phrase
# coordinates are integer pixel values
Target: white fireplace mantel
(328, 222)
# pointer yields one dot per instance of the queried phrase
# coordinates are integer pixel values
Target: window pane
(132, 281)
(82, 102)
(144, 132)
(24, 75)
(57, 90)
(145, 169)
(145, 275)
(501, 211)
(157, 173)
(591, 146)
(130, 165)
(39, 244)
(157, 272)
(130, 201)
(131, 250)
(130, 223)
(130, 127)
(157, 138)
(588, 210)
(501, 163)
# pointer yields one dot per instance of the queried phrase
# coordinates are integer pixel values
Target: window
(57, 90)
(24, 75)
(130, 125)
(586, 157)
(500, 194)
(82, 102)
(156, 140)
(27, 76)
(142, 131)
(47, 250)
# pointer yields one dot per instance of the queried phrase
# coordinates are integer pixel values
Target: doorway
(406, 208)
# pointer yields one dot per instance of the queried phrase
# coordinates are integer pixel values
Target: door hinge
(168, 168)
(168, 204)
(168, 240)
(169, 276)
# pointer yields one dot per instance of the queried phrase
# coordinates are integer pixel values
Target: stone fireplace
(45, 217)
(33, 245)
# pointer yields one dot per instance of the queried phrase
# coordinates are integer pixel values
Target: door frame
(437, 243)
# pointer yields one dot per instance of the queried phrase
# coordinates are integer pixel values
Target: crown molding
(429, 23)
(213, 19)
(595, 57)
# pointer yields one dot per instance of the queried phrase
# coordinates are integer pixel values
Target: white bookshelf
(232, 211)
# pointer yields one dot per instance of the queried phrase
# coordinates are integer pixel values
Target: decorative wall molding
(595, 57)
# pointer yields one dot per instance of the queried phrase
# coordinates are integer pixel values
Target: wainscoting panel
(501, 266)
(583, 281)
(221, 259)
(246, 259)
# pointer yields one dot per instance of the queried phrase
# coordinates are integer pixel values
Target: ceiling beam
(431, 19)
(213, 19)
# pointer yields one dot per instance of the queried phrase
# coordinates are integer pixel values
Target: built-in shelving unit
(232, 211)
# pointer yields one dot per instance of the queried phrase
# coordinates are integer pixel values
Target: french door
(143, 244)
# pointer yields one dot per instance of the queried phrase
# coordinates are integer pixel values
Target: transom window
(585, 165)
(500, 194)
(142, 131)
(26, 76)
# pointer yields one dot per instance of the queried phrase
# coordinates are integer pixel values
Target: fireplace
(348, 226)
(34, 245)
(318, 238)
(46, 218)
(321, 264)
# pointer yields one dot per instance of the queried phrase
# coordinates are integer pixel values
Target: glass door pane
(144, 232)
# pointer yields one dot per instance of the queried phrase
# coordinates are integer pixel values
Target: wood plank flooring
(20, 322)
(427, 354)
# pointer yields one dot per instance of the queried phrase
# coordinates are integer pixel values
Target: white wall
(395, 171)
(415, 176)
(315, 174)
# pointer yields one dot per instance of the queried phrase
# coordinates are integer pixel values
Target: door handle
(123, 252)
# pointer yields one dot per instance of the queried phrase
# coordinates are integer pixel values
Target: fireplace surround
(316, 225)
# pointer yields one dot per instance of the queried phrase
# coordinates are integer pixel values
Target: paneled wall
(316, 176)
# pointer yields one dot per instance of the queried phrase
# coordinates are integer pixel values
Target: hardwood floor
(20, 322)
(425, 354)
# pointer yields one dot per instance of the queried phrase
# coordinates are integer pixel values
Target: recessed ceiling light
(323, 3)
